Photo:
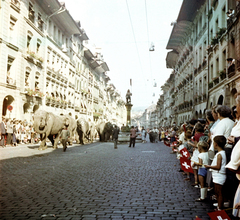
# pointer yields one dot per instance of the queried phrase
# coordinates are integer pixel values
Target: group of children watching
(210, 157)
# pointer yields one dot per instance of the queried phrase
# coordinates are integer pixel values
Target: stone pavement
(96, 181)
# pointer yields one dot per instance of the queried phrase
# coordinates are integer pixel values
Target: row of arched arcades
(28, 109)
(201, 114)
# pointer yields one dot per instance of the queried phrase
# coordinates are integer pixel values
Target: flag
(219, 215)
(130, 82)
(197, 218)
(185, 152)
(186, 165)
(167, 142)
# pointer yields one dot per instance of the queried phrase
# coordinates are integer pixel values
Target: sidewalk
(25, 150)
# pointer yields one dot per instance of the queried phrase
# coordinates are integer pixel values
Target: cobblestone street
(96, 181)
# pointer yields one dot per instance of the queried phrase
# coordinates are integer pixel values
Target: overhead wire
(134, 37)
(150, 63)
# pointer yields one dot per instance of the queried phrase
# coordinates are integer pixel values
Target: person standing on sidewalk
(9, 132)
(115, 136)
(2, 133)
(132, 136)
(64, 137)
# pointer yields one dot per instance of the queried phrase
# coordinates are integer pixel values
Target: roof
(186, 15)
(63, 19)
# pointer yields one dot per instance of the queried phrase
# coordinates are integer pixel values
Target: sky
(125, 30)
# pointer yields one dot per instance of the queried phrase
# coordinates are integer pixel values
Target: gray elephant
(82, 130)
(92, 131)
(71, 125)
(104, 130)
(48, 125)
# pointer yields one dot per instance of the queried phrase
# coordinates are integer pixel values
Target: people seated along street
(115, 136)
(218, 168)
(143, 135)
(199, 129)
(202, 170)
(133, 135)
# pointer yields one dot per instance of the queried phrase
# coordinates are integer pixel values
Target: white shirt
(223, 164)
(223, 127)
(204, 157)
(235, 159)
(236, 130)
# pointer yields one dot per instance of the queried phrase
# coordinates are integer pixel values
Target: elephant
(82, 129)
(71, 124)
(104, 130)
(92, 131)
(48, 125)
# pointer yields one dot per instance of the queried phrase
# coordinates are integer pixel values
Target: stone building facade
(204, 56)
(47, 62)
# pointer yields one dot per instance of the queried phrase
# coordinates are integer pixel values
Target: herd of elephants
(50, 126)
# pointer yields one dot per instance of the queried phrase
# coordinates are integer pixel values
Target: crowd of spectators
(14, 132)
(214, 148)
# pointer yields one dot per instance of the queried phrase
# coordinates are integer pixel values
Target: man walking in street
(115, 136)
(64, 137)
(132, 136)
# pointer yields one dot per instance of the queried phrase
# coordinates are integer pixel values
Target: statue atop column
(128, 97)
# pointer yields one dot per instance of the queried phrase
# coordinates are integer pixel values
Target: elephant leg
(43, 145)
(50, 137)
(81, 138)
(70, 141)
(56, 140)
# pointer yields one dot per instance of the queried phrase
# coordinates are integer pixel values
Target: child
(202, 170)
(199, 129)
(218, 168)
(189, 147)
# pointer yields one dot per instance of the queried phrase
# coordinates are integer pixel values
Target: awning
(178, 32)
(186, 15)
(93, 64)
(105, 66)
(88, 54)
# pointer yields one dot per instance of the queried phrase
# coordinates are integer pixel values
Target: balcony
(231, 70)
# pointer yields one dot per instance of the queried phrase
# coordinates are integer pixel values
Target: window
(40, 22)
(31, 15)
(10, 62)
(9, 79)
(38, 46)
(12, 23)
